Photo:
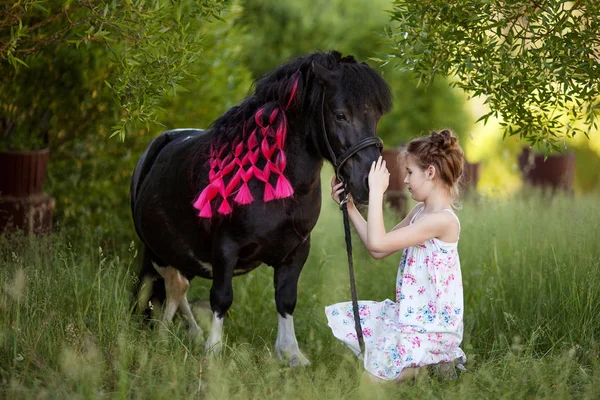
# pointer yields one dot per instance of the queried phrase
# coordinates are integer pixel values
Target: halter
(338, 162)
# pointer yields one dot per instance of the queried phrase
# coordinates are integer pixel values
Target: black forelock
(363, 85)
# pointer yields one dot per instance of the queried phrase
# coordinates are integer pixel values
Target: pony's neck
(304, 160)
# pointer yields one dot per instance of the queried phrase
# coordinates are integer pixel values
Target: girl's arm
(360, 224)
(357, 220)
(380, 241)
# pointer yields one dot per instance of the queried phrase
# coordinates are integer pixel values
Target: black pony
(221, 202)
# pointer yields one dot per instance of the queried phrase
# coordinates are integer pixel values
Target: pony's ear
(324, 75)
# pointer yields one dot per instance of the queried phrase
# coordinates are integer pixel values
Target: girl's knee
(408, 374)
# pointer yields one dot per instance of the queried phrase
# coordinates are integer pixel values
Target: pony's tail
(150, 292)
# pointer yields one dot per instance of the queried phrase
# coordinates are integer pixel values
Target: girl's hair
(441, 149)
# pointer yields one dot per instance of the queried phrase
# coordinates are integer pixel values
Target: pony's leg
(221, 297)
(150, 287)
(176, 286)
(184, 307)
(286, 289)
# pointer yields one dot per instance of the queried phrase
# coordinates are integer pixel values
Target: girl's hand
(379, 176)
(337, 188)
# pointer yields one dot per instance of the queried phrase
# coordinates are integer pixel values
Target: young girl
(425, 324)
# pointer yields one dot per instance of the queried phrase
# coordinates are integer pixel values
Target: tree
(536, 61)
(139, 49)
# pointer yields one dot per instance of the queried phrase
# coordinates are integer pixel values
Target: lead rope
(348, 237)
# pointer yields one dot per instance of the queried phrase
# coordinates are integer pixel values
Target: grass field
(531, 271)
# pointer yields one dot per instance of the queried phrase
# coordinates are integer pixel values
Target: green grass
(531, 271)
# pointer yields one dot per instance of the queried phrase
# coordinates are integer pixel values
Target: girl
(425, 324)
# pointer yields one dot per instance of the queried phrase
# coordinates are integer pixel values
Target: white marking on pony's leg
(286, 345)
(214, 342)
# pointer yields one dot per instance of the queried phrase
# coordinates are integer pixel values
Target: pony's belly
(245, 268)
(205, 270)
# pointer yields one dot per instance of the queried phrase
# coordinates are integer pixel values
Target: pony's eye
(340, 116)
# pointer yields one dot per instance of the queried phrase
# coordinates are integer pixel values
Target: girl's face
(416, 180)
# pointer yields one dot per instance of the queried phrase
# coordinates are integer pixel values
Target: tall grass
(531, 271)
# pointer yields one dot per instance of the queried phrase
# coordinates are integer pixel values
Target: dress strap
(417, 213)
(455, 216)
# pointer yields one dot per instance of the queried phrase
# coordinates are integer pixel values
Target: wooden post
(32, 214)
(23, 203)
(396, 194)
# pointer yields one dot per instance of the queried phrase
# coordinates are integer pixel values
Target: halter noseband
(338, 162)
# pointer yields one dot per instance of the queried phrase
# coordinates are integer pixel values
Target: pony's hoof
(197, 334)
(213, 349)
(299, 361)
(295, 359)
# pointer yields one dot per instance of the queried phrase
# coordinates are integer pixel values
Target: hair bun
(444, 140)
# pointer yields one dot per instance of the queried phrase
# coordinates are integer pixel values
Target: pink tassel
(269, 193)
(200, 202)
(284, 189)
(244, 196)
(225, 207)
(206, 211)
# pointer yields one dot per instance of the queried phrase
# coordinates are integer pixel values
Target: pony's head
(353, 99)
(336, 101)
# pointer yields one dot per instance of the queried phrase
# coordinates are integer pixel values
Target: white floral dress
(425, 324)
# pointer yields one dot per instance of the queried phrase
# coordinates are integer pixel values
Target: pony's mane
(257, 128)
(364, 86)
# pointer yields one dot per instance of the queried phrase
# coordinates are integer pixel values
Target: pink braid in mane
(233, 165)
